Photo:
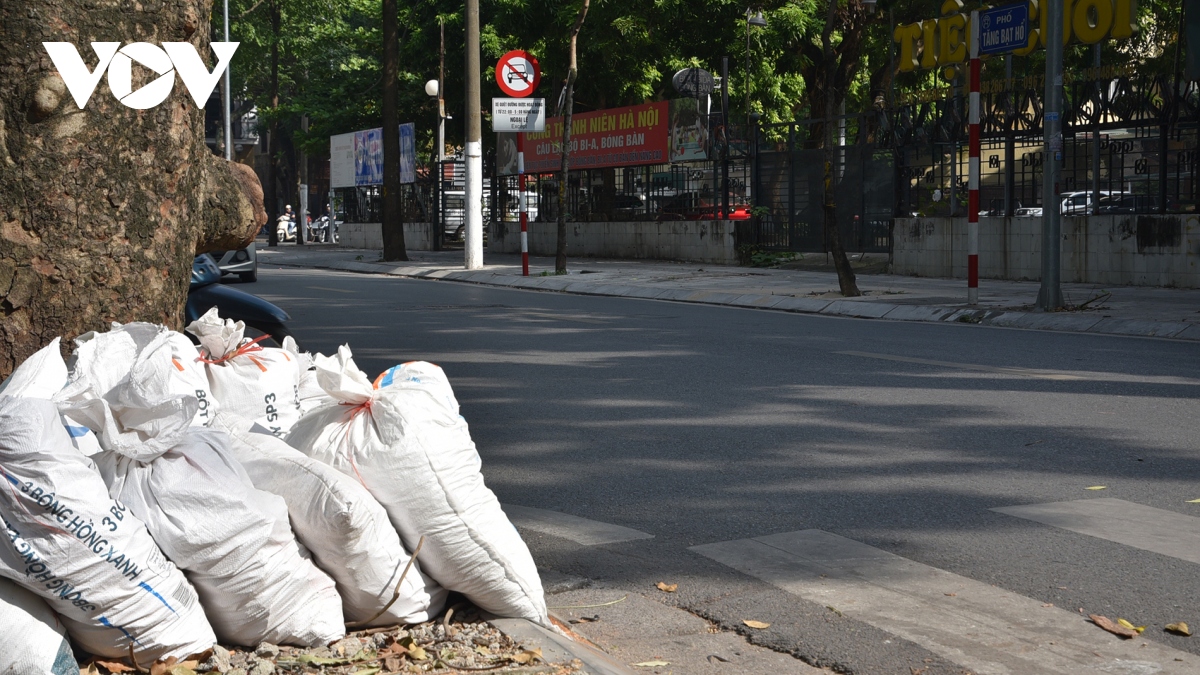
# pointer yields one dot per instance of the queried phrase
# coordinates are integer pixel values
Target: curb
(862, 309)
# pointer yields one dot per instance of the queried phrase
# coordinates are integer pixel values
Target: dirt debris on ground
(464, 645)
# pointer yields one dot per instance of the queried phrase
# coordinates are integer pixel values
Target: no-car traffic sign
(518, 73)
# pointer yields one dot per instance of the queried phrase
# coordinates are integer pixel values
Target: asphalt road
(701, 424)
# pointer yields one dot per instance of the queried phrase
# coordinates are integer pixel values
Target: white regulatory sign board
(518, 114)
(341, 161)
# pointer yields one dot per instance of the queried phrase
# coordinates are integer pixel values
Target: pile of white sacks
(165, 497)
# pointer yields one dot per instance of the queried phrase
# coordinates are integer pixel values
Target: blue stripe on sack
(76, 432)
(106, 622)
(153, 592)
(10, 478)
(387, 377)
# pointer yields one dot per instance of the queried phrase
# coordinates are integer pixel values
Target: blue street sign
(1003, 29)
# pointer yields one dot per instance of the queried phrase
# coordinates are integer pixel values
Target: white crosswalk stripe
(1145, 527)
(986, 629)
(574, 528)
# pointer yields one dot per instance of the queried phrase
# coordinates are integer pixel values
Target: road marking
(1004, 370)
(1077, 375)
(978, 626)
(326, 288)
(567, 526)
(1145, 527)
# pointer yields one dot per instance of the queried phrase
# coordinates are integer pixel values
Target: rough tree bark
(393, 215)
(103, 209)
(560, 259)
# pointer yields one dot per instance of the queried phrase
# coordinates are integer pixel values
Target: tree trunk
(103, 209)
(560, 259)
(272, 186)
(392, 217)
(833, 236)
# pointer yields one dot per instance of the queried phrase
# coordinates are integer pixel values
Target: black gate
(789, 192)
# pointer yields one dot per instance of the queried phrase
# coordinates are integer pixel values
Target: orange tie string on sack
(355, 410)
(251, 346)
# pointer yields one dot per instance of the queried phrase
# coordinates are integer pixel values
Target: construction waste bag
(95, 563)
(341, 524)
(35, 642)
(309, 391)
(255, 582)
(407, 444)
(259, 383)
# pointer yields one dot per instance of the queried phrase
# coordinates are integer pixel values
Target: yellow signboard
(943, 42)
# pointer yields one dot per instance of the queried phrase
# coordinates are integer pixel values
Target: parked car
(628, 205)
(1127, 203)
(1079, 203)
(1028, 212)
(693, 206)
(242, 262)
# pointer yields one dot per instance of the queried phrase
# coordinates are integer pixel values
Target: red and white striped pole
(523, 205)
(973, 178)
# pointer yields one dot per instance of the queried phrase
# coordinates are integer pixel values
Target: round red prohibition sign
(518, 73)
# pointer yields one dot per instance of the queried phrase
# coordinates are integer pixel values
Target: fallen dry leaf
(665, 587)
(651, 664)
(481, 650)
(1126, 624)
(527, 656)
(1047, 604)
(756, 624)
(392, 663)
(1097, 487)
(114, 666)
(1180, 628)
(585, 619)
(1114, 628)
(89, 669)
(417, 653)
(1193, 501)
(950, 595)
(713, 658)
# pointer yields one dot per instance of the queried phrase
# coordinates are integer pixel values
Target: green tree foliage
(330, 54)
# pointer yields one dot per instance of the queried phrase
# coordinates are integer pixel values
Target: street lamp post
(755, 19)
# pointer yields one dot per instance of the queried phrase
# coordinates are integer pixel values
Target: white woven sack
(233, 541)
(43, 375)
(260, 383)
(311, 394)
(34, 640)
(169, 373)
(345, 529)
(416, 457)
(87, 555)
(256, 583)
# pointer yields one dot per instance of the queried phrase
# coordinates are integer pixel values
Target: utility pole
(473, 208)
(441, 102)
(1050, 296)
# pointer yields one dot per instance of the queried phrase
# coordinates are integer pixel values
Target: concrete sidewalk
(1124, 310)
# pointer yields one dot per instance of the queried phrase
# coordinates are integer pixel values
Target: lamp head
(431, 88)
(757, 20)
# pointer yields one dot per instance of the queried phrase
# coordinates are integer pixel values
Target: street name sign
(1003, 29)
(518, 114)
(518, 73)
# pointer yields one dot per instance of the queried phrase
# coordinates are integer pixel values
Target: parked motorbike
(205, 293)
(285, 228)
(325, 230)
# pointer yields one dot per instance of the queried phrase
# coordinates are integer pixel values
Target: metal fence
(789, 181)
(1130, 145)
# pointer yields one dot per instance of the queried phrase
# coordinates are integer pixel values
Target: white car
(242, 262)
(1079, 203)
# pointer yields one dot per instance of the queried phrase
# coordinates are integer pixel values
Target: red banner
(604, 138)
